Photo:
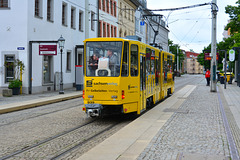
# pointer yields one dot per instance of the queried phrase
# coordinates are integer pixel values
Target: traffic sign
(141, 23)
(231, 55)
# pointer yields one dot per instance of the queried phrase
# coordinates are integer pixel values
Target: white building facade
(29, 31)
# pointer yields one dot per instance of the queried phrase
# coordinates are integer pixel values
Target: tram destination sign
(48, 50)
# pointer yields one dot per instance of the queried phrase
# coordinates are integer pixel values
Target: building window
(50, 10)
(9, 67)
(132, 16)
(107, 5)
(80, 27)
(92, 21)
(99, 4)
(137, 24)
(47, 69)
(73, 17)
(104, 29)
(120, 8)
(129, 16)
(3, 3)
(115, 31)
(108, 30)
(100, 29)
(115, 9)
(120, 33)
(112, 31)
(103, 5)
(64, 14)
(111, 6)
(38, 8)
(125, 12)
(68, 60)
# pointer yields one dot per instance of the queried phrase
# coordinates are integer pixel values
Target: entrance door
(79, 67)
(143, 82)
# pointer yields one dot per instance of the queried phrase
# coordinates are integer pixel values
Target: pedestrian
(207, 76)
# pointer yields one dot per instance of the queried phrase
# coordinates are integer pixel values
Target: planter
(16, 91)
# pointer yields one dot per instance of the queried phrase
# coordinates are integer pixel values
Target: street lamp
(61, 42)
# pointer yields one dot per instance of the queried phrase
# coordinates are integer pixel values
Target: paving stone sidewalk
(197, 133)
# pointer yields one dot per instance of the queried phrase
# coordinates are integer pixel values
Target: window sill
(51, 21)
(64, 25)
(5, 8)
(39, 17)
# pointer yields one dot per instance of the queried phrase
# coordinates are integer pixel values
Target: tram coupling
(93, 110)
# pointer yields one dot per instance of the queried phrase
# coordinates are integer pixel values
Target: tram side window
(134, 60)
(165, 69)
(125, 62)
(153, 62)
(148, 56)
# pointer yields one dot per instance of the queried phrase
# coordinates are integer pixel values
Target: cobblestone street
(197, 131)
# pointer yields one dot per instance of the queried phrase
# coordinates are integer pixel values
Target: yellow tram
(124, 76)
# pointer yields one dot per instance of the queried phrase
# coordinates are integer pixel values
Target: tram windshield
(103, 59)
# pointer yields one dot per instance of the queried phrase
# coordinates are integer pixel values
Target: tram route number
(90, 102)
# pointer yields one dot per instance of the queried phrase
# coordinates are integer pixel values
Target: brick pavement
(198, 132)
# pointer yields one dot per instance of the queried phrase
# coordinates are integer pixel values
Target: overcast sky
(191, 28)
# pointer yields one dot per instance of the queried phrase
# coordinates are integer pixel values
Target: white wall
(21, 26)
(13, 34)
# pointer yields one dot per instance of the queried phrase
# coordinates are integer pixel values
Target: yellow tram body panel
(123, 75)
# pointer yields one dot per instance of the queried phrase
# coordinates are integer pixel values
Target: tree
(234, 14)
(173, 48)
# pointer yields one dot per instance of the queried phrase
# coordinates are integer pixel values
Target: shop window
(47, 69)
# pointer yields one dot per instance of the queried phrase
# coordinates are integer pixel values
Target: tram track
(61, 144)
(27, 148)
(42, 114)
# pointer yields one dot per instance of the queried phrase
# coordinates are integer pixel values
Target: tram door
(143, 82)
(79, 67)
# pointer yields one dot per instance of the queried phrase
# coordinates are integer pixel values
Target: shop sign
(48, 50)
(207, 56)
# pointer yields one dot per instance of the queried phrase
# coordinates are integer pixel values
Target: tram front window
(103, 59)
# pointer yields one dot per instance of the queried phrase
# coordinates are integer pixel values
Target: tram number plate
(90, 102)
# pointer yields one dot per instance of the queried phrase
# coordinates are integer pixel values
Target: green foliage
(173, 48)
(15, 84)
(16, 65)
(234, 14)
